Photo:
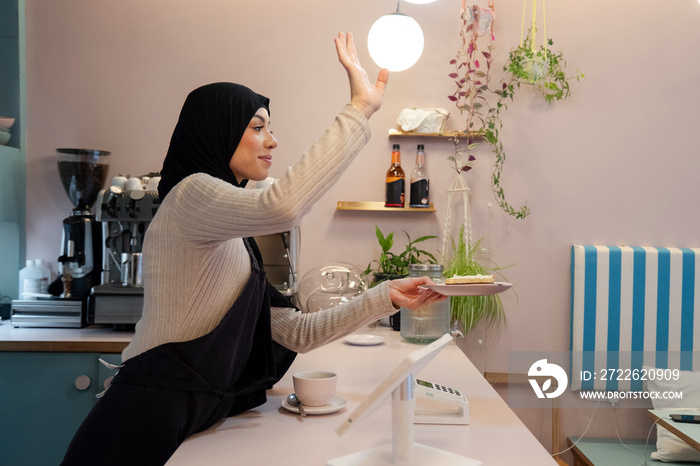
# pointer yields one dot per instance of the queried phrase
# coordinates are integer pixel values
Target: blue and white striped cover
(633, 306)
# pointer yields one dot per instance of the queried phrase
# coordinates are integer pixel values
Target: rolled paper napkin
(423, 120)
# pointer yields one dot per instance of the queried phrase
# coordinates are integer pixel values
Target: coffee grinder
(83, 173)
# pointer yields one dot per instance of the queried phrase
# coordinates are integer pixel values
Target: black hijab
(211, 124)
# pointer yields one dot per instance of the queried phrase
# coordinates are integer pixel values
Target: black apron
(164, 395)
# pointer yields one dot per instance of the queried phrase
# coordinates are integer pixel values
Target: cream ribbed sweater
(196, 264)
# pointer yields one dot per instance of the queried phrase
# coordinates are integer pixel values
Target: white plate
(471, 289)
(336, 404)
(364, 340)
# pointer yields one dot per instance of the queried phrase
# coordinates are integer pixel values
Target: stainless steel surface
(132, 269)
(294, 401)
(86, 152)
(116, 304)
(280, 252)
(49, 313)
(125, 217)
(122, 206)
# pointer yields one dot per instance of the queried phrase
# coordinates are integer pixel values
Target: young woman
(214, 334)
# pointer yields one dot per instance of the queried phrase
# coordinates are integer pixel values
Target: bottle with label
(45, 275)
(420, 183)
(29, 281)
(395, 181)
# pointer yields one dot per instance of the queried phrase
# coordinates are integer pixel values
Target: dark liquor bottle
(395, 181)
(420, 183)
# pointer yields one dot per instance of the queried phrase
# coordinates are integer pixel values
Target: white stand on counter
(403, 449)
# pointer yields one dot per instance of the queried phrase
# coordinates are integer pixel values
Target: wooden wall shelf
(395, 133)
(378, 206)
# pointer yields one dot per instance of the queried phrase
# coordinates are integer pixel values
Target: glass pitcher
(427, 323)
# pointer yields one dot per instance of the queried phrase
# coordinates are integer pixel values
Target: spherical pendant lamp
(395, 42)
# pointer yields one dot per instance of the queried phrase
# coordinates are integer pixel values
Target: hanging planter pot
(535, 69)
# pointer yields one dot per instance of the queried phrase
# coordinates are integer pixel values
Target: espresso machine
(125, 216)
(83, 173)
(125, 211)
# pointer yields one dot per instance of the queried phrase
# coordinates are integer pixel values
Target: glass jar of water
(427, 323)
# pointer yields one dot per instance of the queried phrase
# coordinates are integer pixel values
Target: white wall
(615, 164)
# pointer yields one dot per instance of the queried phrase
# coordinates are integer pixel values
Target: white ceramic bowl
(6, 122)
(4, 138)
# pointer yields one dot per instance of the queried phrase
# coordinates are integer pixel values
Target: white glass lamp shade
(420, 2)
(395, 42)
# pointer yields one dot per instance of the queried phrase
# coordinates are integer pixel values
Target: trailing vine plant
(526, 64)
(472, 77)
(542, 68)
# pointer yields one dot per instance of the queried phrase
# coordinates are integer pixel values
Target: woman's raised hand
(364, 95)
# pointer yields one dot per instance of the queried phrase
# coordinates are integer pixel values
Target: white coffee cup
(153, 184)
(119, 181)
(134, 184)
(315, 388)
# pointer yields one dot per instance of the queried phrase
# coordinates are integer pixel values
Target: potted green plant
(470, 310)
(391, 265)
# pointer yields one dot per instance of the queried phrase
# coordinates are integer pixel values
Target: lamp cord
(617, 432)
(582, 435)
(646, 446)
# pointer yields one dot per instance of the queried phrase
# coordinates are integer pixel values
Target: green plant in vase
(470, 310)
(391, 265)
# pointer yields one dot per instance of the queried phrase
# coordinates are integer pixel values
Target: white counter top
(90, 339)
(270, 435)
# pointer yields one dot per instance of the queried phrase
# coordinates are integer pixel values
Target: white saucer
(336, 404)
(364, 340)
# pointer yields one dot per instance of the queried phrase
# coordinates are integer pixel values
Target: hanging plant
(526, 64)
(542, 68)
(472, 77)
